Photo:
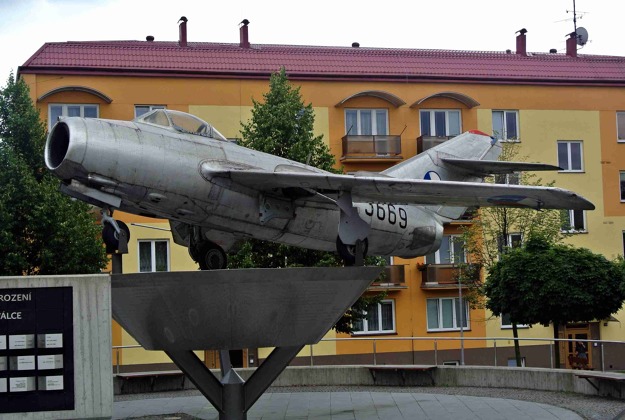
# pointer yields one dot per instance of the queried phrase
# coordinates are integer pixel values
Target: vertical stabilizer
(472, 145)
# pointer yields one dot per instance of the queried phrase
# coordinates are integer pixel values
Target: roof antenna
(581, 34)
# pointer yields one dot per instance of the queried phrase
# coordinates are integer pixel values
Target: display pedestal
(285, 308)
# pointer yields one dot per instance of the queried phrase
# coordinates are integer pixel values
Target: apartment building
(376, 107)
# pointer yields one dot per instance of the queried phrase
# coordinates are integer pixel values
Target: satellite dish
(582, 36)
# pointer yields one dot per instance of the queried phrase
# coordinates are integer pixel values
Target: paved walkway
(351, 405)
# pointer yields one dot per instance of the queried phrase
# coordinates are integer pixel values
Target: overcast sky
(480, 25)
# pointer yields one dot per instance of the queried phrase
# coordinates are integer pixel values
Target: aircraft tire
(212, 257)
(110, 236)
(348, 252)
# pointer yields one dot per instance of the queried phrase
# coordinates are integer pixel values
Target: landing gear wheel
(111, 237)
(348, 252)
(211, 256)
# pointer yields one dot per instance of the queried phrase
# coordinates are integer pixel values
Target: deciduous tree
(545, 283)
(41, 230)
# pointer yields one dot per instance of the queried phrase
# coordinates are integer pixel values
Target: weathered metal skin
(158, 175)
(172, 165)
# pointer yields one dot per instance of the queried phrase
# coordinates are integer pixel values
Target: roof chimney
(149, 38)
(571, 45)
(182, 32)
(355, 45)
(244, 41)
(521, 42)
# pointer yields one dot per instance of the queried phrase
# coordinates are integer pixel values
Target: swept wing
(410, 191)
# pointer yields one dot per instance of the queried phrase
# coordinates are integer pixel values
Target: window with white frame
(451, 251)
(144, 109)
(624, 243)
(514, 240)
(622, 176)
(506, 125)
(440, 122)
(573, 221)
(153, 255)
(380, 319)
(443, 314)
(71, 110)
(509, 179)
(620, 126)
(570, 156)
(366, 122)
(506, 323)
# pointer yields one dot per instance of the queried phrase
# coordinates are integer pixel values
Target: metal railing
(371, 145)
(435, 341)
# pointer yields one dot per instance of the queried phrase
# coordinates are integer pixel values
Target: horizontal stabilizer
(411, 191)
(496, 167)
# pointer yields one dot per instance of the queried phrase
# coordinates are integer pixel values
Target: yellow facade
(547, 114)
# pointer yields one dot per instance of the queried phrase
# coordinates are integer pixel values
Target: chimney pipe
(182, 32)
(244, 41)
(571, 45)
(521, 42)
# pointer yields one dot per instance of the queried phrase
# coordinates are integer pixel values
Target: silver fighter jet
(172, 165)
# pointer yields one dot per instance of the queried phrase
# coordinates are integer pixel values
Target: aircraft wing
(488, 167)
(411, 191)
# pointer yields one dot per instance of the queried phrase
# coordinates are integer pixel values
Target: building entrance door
(577, 333)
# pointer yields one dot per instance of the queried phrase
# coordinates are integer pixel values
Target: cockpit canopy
(181, 122)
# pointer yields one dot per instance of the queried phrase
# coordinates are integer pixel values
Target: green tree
(545, 283)
(41, 230)
(282, 125)
(489, 236)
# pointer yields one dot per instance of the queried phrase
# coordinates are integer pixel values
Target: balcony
(387, 147)
(427, 142)
(393, 277)
(445, 276)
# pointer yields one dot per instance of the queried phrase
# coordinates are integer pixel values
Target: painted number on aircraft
(388, 212)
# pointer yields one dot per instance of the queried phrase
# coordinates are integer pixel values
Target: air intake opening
(58, 144)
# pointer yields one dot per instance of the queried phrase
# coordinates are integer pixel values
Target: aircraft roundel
(432, 176)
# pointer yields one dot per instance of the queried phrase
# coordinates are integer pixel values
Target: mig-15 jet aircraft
(172, 165)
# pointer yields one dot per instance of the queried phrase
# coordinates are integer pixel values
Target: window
(440, 122)
(570, 156)
(153, 256)
(620, 126)
(624, 243)
(70, 110)
(144, 109)
(380, 319)
(505, 125)
(573, 221)
(444, 314)
(366, 122)
(622, 175)
(509, 179)
(451, 251)
(506, 324)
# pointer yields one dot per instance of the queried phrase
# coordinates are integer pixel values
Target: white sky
(480, 25)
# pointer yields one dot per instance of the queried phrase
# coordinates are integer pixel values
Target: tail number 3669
(388, 212)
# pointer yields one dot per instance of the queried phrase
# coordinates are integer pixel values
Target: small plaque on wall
(50, 341)
(22, 384)
(3, 342)
(21, 342)
(51, 383)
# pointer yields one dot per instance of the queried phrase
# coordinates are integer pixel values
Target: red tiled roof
(217, 59)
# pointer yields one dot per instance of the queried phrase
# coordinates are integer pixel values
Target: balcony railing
(380, 147)
(393, 276)
(445, 276)
(427, 142)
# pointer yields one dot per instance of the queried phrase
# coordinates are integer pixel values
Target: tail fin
(432, 165)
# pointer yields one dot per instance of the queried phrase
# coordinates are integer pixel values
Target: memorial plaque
(52, 361)
(22, 363)
(50, 383)
(36, 350)
(21, 342)
(23, 384)
(50, 341)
